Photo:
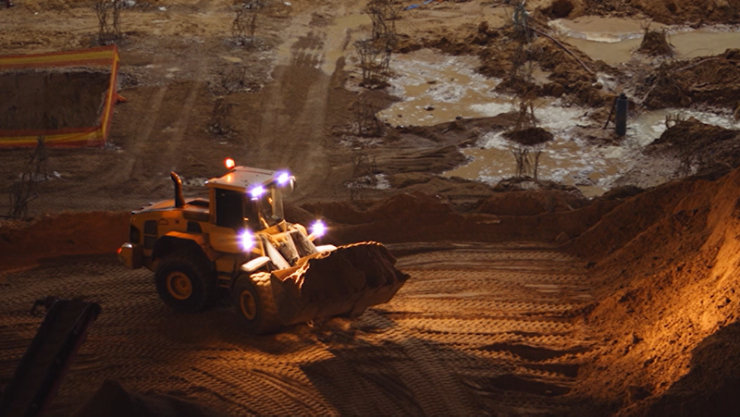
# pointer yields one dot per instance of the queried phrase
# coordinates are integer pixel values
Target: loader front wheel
(255, 304)
(184, 284)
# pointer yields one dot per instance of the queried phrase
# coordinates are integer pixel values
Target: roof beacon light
(229, 163)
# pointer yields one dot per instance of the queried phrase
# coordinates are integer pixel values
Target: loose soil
(524, 299)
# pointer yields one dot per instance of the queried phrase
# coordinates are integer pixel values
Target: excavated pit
(52, 100)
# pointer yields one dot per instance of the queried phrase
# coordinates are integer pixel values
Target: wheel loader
(238, 244)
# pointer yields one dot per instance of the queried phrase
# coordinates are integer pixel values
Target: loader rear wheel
(255, 303)
(184, 284)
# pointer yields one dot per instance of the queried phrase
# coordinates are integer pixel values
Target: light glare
(229, 163)
(257, 192)
(318, 228)
(246, 240)
(283, 178)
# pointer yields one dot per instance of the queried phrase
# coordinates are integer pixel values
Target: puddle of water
(570, 160)
(566, 159)
(613, 39)
(436, 88)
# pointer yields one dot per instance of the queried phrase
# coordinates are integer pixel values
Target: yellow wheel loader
(237, 242)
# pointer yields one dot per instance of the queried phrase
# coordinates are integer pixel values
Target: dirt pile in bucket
(670, 301)
(343, 282)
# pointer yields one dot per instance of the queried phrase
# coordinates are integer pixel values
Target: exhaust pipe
(179, 199)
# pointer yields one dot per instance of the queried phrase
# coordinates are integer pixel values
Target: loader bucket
(343, 282)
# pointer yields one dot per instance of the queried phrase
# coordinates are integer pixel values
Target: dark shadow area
(419, 377)
(41, 100)
(712, 386)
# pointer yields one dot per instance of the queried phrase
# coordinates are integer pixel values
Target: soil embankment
(668, 306)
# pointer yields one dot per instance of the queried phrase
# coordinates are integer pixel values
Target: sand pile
(669, 259)
(704, 148)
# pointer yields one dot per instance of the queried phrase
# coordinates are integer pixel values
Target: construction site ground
(525, 298)
(480, 327)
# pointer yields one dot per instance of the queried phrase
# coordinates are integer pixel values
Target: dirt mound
(655, 43)
(666, 11)
(51, 99)
(531, 202)
(558, 9)
(517, 215)
(702, 148)
(530, 136)
(713, 375)
(670, 300)
(572, 72)
(714, 81)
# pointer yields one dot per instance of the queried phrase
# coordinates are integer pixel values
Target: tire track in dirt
(293, 128)
(505, 349)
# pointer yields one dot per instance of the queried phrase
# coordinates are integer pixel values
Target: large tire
(184, 283)
(255, 304)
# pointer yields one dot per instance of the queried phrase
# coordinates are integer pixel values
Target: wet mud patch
(45, 100)
(700, 147)
(707, 80)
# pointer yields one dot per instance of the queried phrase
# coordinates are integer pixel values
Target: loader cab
(233, 210)
(237, 210)
(248, 198)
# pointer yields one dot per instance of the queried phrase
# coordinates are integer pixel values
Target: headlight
(246, 240)
(257, 192)
(282, 178)
(318, 229)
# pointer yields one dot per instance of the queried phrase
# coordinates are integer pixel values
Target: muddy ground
(626, 304)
